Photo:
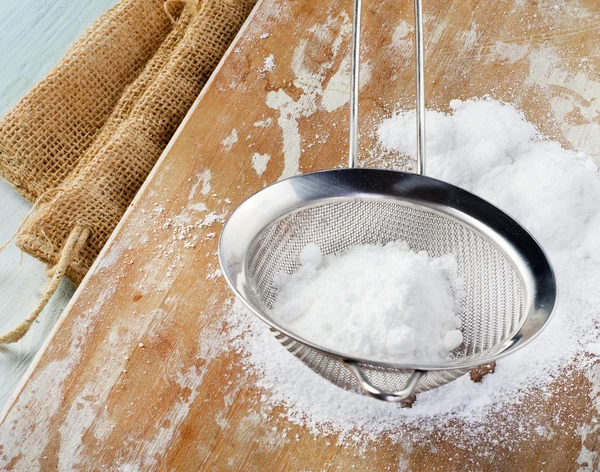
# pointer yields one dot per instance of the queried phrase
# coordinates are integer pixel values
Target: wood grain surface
(133, 377)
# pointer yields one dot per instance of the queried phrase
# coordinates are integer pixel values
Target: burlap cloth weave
(82, 142)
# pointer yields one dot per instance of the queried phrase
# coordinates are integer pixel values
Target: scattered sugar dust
(230, 140)
(259, 162)
(269, 64)
(323, 86)
(489, 148)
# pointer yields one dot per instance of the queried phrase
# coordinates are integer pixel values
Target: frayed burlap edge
(69, 262)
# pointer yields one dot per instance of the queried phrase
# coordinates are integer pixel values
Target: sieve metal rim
(282, 198)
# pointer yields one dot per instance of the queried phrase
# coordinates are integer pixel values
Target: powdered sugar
(382, 302)
(269, 65)
(259, 162)
(489, 148)
(230, 140)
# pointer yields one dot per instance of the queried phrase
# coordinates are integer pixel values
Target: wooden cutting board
(128, 381)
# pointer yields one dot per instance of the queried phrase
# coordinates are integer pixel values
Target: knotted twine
(87, 136)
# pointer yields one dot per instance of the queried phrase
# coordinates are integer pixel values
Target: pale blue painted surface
(34, 35)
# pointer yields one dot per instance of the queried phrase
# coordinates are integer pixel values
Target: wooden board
(98, 399)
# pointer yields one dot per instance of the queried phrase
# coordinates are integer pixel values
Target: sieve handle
(373, 391)
(355, 85)
(420, 79)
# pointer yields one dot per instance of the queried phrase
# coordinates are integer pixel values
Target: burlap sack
(89, 196)
(43, 137)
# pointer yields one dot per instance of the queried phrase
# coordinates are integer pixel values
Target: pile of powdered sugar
(489, 148)
(373, 301)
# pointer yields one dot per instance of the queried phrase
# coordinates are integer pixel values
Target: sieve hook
(368, 387)
(420, 81)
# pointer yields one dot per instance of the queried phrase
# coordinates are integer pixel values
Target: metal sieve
(509, 285)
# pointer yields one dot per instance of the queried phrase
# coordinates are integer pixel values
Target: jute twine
(97, 124)
(72, 246)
